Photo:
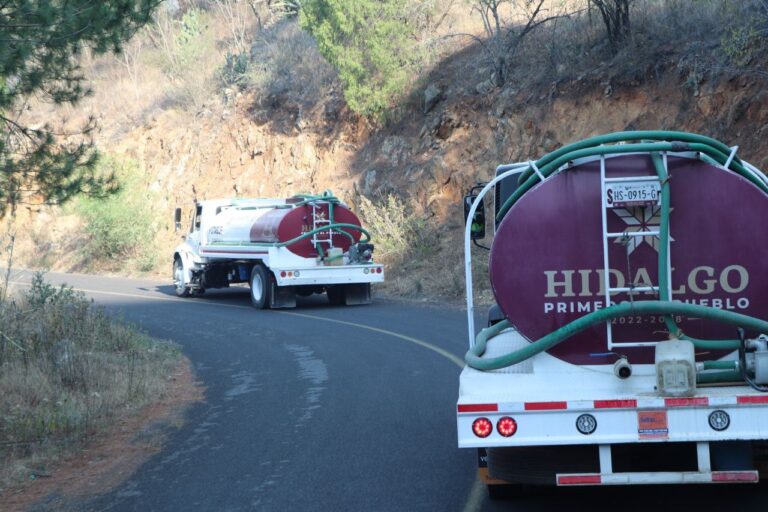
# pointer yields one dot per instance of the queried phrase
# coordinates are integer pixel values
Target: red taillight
(482, 427)
(379, 270)
(506, 426)
(283, 274)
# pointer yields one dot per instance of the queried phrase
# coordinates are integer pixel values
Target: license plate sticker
(632, 193)
(652, 425)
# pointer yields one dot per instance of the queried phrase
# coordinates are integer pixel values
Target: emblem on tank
(639, 219)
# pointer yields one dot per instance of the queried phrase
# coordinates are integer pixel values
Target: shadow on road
(239, 296)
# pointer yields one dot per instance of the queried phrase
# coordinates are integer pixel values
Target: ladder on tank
(319, 221)
(605, 183)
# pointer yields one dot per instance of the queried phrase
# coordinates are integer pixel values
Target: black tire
(261, 287)
(336, 295)
(179, 286)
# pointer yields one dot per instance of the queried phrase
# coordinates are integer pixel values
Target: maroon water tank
(546, 262)
(284, 224)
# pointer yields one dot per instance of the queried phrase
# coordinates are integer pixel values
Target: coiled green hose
(645, 307)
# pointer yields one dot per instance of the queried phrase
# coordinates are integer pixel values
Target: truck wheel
(179, 284)
(261, 287)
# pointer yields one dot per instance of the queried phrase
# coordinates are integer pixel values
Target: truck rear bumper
(624, 420)
(703, 475)
(328, 275)
(650, 478)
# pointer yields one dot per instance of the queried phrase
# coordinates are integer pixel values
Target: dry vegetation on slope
(200, 118)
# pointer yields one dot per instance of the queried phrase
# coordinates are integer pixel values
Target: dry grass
(66, 371)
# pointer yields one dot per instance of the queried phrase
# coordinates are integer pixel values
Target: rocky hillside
(410, 171)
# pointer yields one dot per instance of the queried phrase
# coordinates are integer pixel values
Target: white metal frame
(509, 170)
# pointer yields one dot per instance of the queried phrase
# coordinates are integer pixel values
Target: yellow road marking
(416, 341)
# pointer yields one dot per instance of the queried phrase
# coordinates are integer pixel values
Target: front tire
(261, 287)
(179, 281)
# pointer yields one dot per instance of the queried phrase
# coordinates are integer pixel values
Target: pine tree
(41, 42)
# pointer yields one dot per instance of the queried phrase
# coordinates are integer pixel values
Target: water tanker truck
(629, 342)
(281, 247)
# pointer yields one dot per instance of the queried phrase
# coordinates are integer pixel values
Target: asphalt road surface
(327, 408)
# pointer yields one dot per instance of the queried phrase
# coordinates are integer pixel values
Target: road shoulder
(111, 457)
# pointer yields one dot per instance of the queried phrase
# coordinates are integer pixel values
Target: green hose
(326, 196)
(718, 377)
(649, 307)
(672, 327)
(642, 135)
(711, 151)
(720, 365)
(303, 236)
(555, 160)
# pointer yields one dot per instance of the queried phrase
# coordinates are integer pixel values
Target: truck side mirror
(477, 226)
(177, 219)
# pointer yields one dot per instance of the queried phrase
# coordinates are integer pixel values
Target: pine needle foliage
(41, 46)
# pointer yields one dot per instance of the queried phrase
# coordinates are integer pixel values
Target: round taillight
(506, 426)
(283, 274)
(482, 427)
(296, 273)
(379, 270)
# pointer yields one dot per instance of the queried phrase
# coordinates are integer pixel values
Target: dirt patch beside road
(111, 457)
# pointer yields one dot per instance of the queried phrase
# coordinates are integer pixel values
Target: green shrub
(235, 69)
(120, 227)
(370, 43)
(397, 231)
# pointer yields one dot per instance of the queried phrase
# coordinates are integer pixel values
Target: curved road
(323, 408)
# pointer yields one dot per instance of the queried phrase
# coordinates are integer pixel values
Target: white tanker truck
(628, 344)
(281, 247)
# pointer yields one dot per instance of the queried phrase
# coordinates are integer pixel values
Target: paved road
(325, 408)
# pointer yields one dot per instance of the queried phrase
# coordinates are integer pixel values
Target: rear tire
(179, 282)
(261, 287)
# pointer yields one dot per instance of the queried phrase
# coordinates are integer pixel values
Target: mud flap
(358, 293)
(282, 296)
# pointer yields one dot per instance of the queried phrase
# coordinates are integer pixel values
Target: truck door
(194, 237)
